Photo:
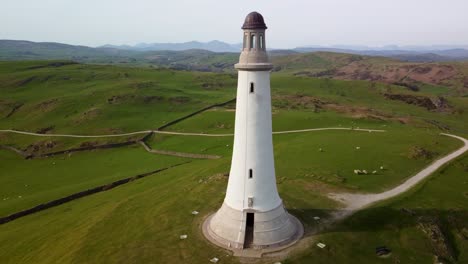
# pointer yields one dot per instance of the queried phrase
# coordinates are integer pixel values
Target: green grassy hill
(340, 66)
(141, 221)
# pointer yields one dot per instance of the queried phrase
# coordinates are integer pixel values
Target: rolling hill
(316, 64)
(142, 220)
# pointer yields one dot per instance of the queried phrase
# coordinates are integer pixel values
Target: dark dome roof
(254, 21)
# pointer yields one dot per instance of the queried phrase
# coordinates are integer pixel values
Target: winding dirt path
(73, 136)
(178, 133)
(354, 202)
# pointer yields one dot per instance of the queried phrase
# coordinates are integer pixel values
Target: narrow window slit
(251, 87)
(250, 174)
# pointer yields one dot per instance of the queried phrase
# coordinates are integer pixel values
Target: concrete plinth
(272, 230)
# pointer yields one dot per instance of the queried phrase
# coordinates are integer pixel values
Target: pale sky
(291, 23)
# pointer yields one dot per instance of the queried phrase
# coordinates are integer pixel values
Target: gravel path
(178, 133)
(352, 202)
(356, 202)
(73, 136)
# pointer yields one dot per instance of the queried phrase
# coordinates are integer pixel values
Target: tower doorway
(249, 230)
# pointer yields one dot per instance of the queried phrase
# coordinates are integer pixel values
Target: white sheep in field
(374, 172)
(357, 172)
(364, 171)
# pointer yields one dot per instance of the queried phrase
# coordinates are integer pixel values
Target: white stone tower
(252, 215)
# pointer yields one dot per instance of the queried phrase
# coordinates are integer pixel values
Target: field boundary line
(178, 120)
(178, 154)
(75, 196)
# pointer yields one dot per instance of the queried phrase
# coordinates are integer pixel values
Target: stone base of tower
(274, 229)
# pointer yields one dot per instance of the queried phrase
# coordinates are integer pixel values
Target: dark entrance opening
(249, 230)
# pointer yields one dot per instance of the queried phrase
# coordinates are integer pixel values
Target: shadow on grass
(439, 225)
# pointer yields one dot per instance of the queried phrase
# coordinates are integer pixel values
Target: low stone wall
(18, 151)
(178, 154)
(78, 195)
(104, 146)
(194, 113)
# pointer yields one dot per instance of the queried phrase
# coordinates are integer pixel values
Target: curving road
(355, 202)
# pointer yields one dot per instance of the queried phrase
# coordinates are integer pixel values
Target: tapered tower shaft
(252, 215)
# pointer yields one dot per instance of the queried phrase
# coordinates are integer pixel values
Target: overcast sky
(291, 23)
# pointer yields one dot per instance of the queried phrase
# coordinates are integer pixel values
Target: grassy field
(140, 222)
(397, 224)
(26, 183)
(102, 99)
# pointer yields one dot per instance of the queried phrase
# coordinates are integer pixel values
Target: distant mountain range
(27, 50)
(215, 46)
(406, 53)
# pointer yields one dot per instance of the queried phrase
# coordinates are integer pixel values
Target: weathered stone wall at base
(78, 195)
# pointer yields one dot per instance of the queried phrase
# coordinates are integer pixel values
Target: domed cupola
(254, 20)
(254, 55)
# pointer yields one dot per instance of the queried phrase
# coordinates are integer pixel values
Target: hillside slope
(142, 220)
(377, 69)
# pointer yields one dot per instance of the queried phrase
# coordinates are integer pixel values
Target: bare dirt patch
(298, 101)
(45, 130)
(152, 99)
(365, 113)
(391, 73)
(142, 85)
(46, 106)
(430, 103)
(179, 100)
(417, 152)
(443, 250)
(90, 114)
(316, 104)
(434, 74)
(118, 99)
(41, 147)
(53, 65)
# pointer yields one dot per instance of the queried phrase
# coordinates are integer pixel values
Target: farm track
(354, 202)
(179, 133)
